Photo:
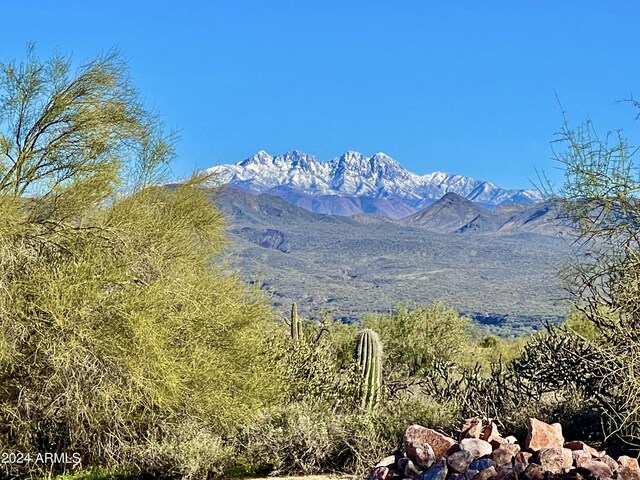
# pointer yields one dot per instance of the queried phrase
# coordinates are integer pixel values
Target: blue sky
(465, 87)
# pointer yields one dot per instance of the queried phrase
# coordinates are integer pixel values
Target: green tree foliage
(597, 356)
(417, 340)
(117, 326)
(314, 370)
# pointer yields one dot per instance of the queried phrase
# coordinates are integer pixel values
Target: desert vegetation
(128, 341)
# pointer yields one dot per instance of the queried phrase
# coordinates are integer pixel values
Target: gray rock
(460, 461)
(411, 471)
(486, 474)
(534, 472)
(479, 448)
(505, 453)
(482, 464)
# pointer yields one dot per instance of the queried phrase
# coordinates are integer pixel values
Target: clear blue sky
(465, 87)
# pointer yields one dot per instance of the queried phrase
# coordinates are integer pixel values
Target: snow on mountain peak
(355, 175)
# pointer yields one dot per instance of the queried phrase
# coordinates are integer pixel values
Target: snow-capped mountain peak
(296, 175)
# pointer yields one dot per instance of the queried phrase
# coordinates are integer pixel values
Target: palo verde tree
(600, 198)
(121, 337)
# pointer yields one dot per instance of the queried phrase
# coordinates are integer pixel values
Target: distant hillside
(353, 184)
(503, 273)
(453, 213)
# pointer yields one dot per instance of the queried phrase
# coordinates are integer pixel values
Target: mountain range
(497, 266)
(355, 184)
(360, 235)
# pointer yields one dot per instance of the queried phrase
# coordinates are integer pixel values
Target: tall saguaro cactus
(368, 353)
(296, 324)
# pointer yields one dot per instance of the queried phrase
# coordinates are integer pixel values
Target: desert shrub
(586, 380)
(188, 451)
(292, 438)
(417, 341)
(314, 368)
(114, 339)
(491, 350)
(311, 437)
(118, 325)
(596, 355)
(100, 473)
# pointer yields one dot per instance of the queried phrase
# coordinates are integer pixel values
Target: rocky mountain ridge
(353, 184)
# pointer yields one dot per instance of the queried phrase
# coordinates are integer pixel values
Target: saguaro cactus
(368, 354)
(296, 324)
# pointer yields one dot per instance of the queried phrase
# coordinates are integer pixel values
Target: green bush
(118, 325)
(312, 438)
(115, 337)
(313, 368)
(418, 343)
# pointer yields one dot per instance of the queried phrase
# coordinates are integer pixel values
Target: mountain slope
(453, 213)
(351, 266)
(353, 184)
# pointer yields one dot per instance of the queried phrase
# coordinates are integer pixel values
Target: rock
(472, 428)
(534, 472)
(519, 468)
(486, 474)
(482, 464)
(628, 473)
(460, 461)
(454, 448)
(418, 440)
(523, 458)
(572, 475)
(506, 472)
(542, 435)
(490, 432)
(438, 471)
(612, 462)
(479, 448)
(595, 468)
(497, 441)
(576, 445)
(457, 476)
(629, 462)
(402, 463)
(411, 471)
(555, 460)
(379, 473)
(387, 461)
(421, 454)
(580, 457)
(505, 453)
(469, 474)
(511, 439)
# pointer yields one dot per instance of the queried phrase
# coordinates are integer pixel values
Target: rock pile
(481, 453)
